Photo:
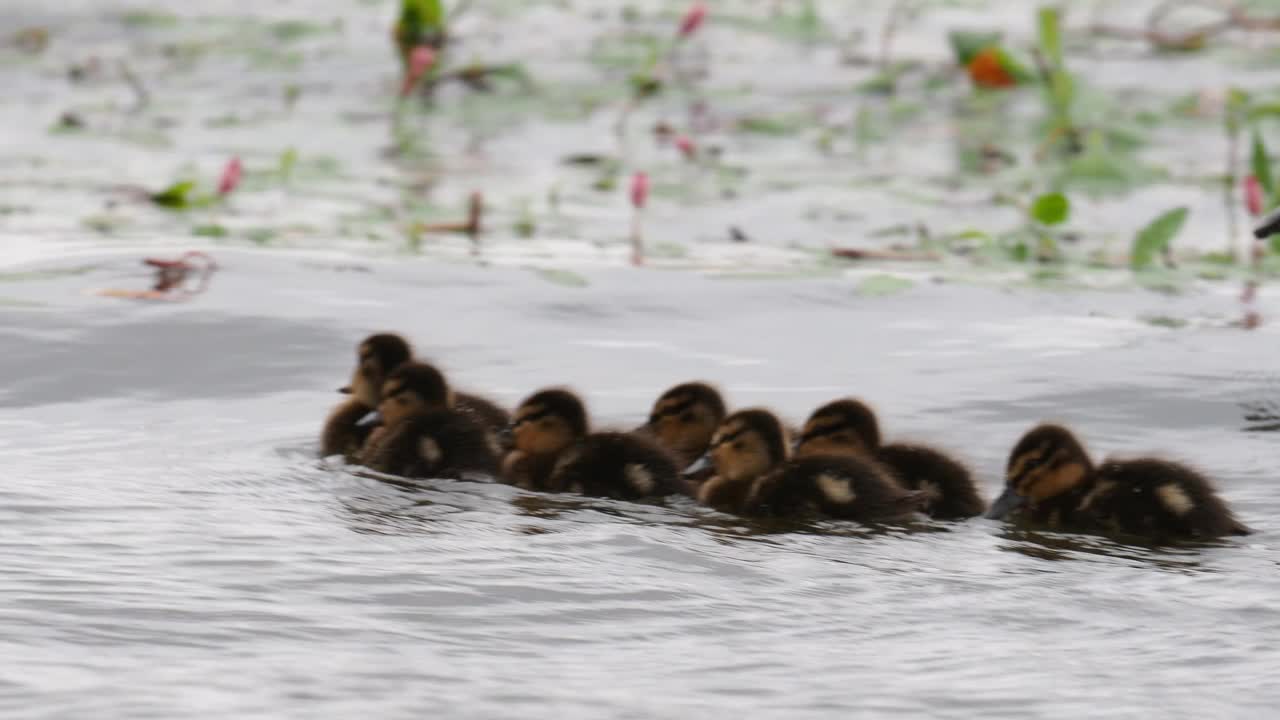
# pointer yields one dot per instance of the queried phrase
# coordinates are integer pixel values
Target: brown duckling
(1051, 481)
(683, 420)
(849, 427)
(422, 434)
(376, 356)
(754, 476)
(553, 449)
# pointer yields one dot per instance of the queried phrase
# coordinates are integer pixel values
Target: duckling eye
(686, 417)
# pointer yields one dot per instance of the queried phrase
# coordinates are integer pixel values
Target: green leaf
(288, 160)
(176, 196)
(1051, 209)
(567, 278)
(1261, 166)
(213, 231)
(1051, 36)
(881, 285)
(965, 44)
(1156, 237)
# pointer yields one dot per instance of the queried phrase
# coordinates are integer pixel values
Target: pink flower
(639, 190)
(686, 146)
(693, 19)
(230, 177)
(420, 61)
(1253, 196)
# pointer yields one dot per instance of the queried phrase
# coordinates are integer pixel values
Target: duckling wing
(949, 489)
(838, 487)
(618, 465)
(436, 445)
(341, 435)
(488, 413)
(1158, 499)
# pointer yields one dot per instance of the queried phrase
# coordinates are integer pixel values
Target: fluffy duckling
(422, 434)
(1051, 481)
(684, 418)
(552, 449)
(376, 356)
(849, 427)
(753, 476)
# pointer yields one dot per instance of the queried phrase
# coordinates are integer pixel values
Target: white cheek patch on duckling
(639, 478)
(837, 489)
(1176, 499)
(429, 450)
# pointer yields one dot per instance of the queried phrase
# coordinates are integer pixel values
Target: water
(173, 549)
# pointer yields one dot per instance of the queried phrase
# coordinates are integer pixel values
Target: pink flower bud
(693, 19)
(230, 176)
(420, 61)
(686, 147)
(639, 190)
(1253, 196)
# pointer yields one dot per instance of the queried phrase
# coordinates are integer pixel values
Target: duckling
(849, 427)
(554, 450)
(683, 420)
(422, 433)
(754, 476)
(1051, 481)
(376, 356)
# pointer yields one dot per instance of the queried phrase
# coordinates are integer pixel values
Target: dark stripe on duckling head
(388, 349)
(684, 396)
(1047, 462)
(758, 420)
(424, 380)
(557, 402)
(846, 414)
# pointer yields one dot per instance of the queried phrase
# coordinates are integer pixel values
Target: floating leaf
(567, 278)
(1051, 209)
(288, 160)
(881, 285)
(176, 196)
(1156, 237)
(211, 231)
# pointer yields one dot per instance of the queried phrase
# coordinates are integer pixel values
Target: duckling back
(1156, 499)
(485, 411)
(624, 466)
(341, 435)
(845, 488)
(949, 490)
(443, 444)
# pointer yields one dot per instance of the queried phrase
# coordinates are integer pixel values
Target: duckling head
(376, 356)
(748, 444)
(1047, 462)
(548, 422)
(413, 387)
(841, 427)
(685, 418)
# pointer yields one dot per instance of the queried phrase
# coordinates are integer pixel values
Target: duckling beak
(1005, 504)
(345, 390)
(699, 465)
(374, 418)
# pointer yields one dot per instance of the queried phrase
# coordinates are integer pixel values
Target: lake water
(173, 549)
